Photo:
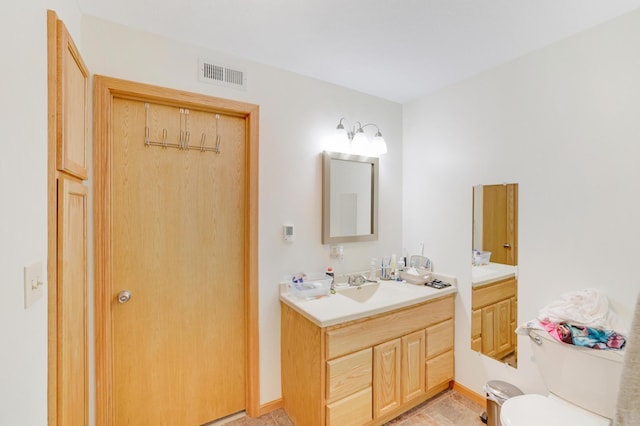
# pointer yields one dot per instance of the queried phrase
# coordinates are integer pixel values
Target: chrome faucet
(357, 280)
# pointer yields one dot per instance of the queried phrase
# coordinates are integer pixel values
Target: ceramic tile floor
(446, 409)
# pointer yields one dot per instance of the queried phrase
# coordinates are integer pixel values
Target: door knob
(124, 296)
(506, 245)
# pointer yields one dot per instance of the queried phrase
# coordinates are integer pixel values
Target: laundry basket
(497, 393)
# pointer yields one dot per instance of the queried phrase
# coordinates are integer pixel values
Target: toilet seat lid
(536, 410)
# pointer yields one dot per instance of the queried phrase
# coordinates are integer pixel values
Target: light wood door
(499, 227)
(413, 365)
(68, 401)
(178, 240)
(72, 106)
(72, 402)
(386, 377)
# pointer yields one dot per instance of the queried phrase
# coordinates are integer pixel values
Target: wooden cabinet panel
(72, 303)
(350, 338)
(302, 368)
(503, 326)
(492, 293)
(413, 368)
(476, 344)
(476, 323)
(494, 318)
(489, 330)
(354, 410)
(349, 374)
(439, 369)
(439, 338)
(386, 377)
(514, 320)
(496, 329)
(367, 385)
(72, 113)
(476, 330)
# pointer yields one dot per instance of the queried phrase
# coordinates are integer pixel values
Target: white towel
(628, 408)
(587, 307)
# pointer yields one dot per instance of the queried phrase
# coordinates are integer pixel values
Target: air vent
(216, 73)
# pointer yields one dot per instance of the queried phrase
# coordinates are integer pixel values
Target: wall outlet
(33, 284)
(337, 252)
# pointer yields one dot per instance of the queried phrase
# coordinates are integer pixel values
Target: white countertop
(487, 274)
(390, 295)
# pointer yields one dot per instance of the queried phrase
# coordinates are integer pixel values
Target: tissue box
(423, 276)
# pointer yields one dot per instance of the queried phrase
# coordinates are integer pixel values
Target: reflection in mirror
(494, 259)
(349, 198)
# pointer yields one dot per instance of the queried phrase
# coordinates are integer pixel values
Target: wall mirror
(349, 198)
(494, 260)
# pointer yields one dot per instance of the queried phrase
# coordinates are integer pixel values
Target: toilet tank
(588, 378)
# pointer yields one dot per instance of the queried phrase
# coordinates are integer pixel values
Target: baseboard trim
(463, 390)
(270, 406)
(475, 397)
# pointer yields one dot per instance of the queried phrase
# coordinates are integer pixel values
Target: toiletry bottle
(372, 269)
(400, 269)
(384, 274)
(394, 271)
(330, 273)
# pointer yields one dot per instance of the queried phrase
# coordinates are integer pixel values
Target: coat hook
(218, 137)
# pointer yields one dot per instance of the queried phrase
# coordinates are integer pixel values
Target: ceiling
(394, 49)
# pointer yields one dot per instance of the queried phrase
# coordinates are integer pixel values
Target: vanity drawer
(439, 338)
(348, 374)
(493, 293)
(367, 333)
(439, 369)
(354, 410)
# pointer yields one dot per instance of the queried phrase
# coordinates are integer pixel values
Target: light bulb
(340, 141)
(378, 145)
(359, 144)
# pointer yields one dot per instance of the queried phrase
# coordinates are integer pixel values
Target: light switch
(287, 233)
(33, 284)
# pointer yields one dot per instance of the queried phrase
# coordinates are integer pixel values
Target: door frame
(52, 222)
(105, 90)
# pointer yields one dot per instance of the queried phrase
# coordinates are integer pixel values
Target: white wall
(23, 212)
(297, 114)
(563, 122)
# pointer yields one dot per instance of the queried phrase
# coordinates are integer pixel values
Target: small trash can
(497, 393)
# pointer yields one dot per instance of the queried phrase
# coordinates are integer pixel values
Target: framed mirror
(349, 198)
(494, 280)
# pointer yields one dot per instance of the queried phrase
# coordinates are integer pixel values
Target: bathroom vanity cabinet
(366, 371)
(494, 318)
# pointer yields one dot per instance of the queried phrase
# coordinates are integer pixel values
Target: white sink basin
(360, 293)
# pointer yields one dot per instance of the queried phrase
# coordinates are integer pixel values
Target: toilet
(582, 382)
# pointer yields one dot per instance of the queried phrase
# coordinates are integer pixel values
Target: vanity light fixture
(355, 141)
